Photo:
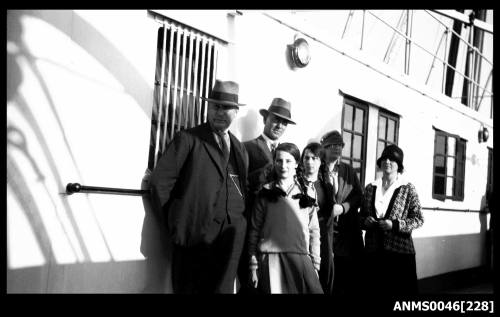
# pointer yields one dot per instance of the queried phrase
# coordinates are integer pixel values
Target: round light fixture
(483, 134)
(300, 53)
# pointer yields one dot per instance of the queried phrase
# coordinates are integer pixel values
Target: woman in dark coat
(310, 162)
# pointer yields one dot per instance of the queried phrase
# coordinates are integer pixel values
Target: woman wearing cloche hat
(389, 213)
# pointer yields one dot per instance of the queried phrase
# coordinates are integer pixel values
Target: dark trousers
(210, 268)
(347, 272)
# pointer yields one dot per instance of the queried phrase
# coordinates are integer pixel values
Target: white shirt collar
(269, 141)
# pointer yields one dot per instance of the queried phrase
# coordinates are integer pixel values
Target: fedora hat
(332, 137)
(280, 108)
(224, 93)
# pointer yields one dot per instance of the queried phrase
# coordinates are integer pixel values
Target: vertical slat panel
(176, 80)
(196, 101)
(182, 93)
(216, 56)
(160, 104)
(189, 104)
(207, 83)
(202, 102)
(171, 49)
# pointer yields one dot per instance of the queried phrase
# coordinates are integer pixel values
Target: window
(354, 126)
(388, 127)
(186, 65)
(449, 166)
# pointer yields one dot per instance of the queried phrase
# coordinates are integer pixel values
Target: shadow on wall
(249, 125)
(75, 277)
(78, 278)
(155, 246)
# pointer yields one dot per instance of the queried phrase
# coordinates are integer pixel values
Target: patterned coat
(405, 213)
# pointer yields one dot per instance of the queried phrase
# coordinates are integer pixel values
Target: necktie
(224, 145)
(332, 179)
(273, 148)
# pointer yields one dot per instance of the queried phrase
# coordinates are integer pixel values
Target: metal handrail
(450, 209)
(72, 188)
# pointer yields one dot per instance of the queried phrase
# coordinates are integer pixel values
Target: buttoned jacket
(187, 180)
(260, 163)
(348, 239)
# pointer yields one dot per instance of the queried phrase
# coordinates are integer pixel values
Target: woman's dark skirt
(391, 273)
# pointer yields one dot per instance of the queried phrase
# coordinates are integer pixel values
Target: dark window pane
(440, 144)
(358, 120)
(439, 185)
(357, 147)
(439, 165)
(348, 117)
(381, 127)
(458, 188)
(391, 131)
(347, 147)
(460, 171)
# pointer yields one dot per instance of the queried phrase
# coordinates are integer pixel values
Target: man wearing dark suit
(199, 184)
(260, 150)
(342, 226)
(260, 154)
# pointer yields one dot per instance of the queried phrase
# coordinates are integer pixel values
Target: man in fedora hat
(260, 154)
(341, 237)
(199, 186)
(261, 149)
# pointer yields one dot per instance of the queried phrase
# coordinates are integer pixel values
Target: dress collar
(400, 181)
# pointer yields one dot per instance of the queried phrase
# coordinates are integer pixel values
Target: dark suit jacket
(187, 180)
(260, 163)
(348, 240)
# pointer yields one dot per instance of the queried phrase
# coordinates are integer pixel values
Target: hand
(317, 273)
(337, 210)
(385, 224)
(370, 222)
(253, 277)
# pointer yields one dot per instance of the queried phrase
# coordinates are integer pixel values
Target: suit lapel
(261, 142)
(238, 155)
(341, 181)
(212, 147)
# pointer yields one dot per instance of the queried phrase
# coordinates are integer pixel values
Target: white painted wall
(79, 109)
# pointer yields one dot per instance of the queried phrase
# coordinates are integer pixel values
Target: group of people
(276, 219)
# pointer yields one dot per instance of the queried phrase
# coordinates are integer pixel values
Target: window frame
(355, 103)
(457, 194)
(388, 115)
